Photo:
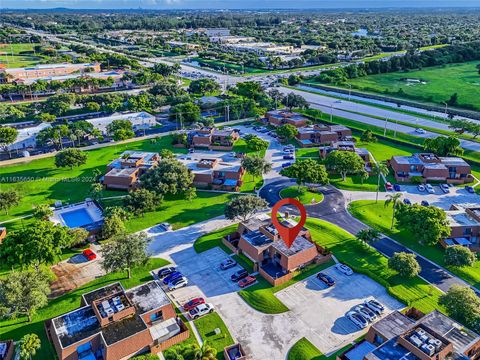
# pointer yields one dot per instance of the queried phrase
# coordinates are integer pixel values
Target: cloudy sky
(232, 4)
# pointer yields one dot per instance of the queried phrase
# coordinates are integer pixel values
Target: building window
(158, 316)
(378, 339)
(467, 231)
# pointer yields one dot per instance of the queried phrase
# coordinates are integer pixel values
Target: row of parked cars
(328, 280)
(365, 313)
(172, 278)
(241, 277)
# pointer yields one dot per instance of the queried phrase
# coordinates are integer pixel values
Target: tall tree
(113, 225)
(29, 344)
(405, 264)
(463, 305)
(141, 201)
(344, 163)
(95, 191)
(460, 256)
(42, 211)
(70, 158)
(287, 131)
(295, 101)
(244, 207)
(379, 169)
(256, 166)
(307, 171)
(443, 146)
(394, 200)
(123, 252)
(169, 177)
(9, 199)
(8, 135)
(368, 236)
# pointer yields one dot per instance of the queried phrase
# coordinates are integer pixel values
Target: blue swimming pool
(77, 218)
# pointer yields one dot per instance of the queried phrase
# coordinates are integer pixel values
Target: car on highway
(89, 254)
(421, 187)
(366, 312)
(375, 306)
(177, 283)
(445, 188)
(192, 304)
(407, 201)
(358, 319)
(326, 279)
(429, 188)
(344, 269)
(388, 186)
(247, 281)
(420, 131)
(227, 264)
(238, 275)
(425, 203)
(166, 271)
(470, 189)
(200, 310)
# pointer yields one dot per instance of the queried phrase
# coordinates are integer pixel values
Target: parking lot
(322, 310)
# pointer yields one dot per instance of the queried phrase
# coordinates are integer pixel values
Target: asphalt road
(333, 210)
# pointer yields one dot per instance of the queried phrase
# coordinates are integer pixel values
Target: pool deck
(90, 207)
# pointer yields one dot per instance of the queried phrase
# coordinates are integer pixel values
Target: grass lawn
(354, 183)
(10, 54)
(214, 239)
(307, 152)
(206, 326)
(304, 350)
(303, 195)
(366, 260)
(249, 183)
(261, 296)
(16, 328)
(378, 216)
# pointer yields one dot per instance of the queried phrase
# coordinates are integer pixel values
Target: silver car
(366, 312)
(358, 319)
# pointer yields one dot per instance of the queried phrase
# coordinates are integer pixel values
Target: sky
(232, 4)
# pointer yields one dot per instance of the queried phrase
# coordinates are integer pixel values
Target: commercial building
(116, 75)
(258, 239)
(263, 48)
(214, 170)
(320, 134)
(414, 336)
(27, 136)
(140, 121)
(231, 39)
(430, 167)
(42, 71)
(113, 323)
(212, 138)
(464, 222)
(124, 173)
(282, 117)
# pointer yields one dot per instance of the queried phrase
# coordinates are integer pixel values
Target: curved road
(333, 210)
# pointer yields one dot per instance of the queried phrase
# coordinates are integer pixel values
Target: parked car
(192, 304)
(238, 275)
(344, 269)
(357, 319)
(288, 157)
(470, 189)
(191, 150)
(285, 165)
(421, 187)
(397, 187)
(172, 276)
(445, 188)
(249, 280)
(326, 279)
(407, 201)
(388, 186)
(287, 150)
(420, 131)
(227, 264)
(89, 254)
(425, 203)
(178, 283)
(165, 226)
(430, 189)
(366, 312)
(375, 306)
(200, 310)
(166, 271)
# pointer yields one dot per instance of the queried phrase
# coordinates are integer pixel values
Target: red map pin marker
(289, 234)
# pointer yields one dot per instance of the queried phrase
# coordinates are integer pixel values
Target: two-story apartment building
(258, 239)
(320, 134)
(282, 117)
(464, 222)
(430, 167)
(212, 138)
(215, 170)
(113, 323)
(124, 173)
(414, 336)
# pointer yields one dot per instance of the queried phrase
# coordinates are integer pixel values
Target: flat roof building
(464, 223)
(45, 70)
(140, 121)
(282, 117)
(212, 138)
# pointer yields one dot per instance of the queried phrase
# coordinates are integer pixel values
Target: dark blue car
(326, 279)
(172, 276)
(396, 187)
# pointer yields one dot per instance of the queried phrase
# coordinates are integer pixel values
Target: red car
(388, 186)
(249, 280)
(192, 304)
(89, 254)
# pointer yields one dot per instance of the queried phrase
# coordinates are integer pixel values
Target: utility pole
(331, 112)
(385, 128)
(395, 131)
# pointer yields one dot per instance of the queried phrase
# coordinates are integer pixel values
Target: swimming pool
(76, 218)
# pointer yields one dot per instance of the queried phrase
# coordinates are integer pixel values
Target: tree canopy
(287, 131)
(344, 163)
(141, 201)
(70, 158)
(405, 264)
(169, 177)
(460, 256)
(307, 171)
(244, 207)
(443, 146)
(463, 305)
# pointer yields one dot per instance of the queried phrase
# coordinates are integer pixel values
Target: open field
(440, 83)
(16, 328)
(10, 54)
(379, 217)
(303, 195)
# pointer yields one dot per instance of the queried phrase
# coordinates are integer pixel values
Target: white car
(178, 283)
(366, 312)
(421, 187)
(430, 189)
(200, 310)
(165, 226)
(375, 306)
(344, 269)
(357, 319)
(420, 131)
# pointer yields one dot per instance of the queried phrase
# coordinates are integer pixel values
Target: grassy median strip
(304, 350)
(302, 193)
(16, 328)
(206, 327)
(379, 217)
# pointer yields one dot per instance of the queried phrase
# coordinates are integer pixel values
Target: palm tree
(393, 199)
(206, 352)
(30, 343)
(379, 169)
(367, 236)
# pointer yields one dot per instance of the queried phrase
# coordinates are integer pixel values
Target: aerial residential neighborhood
(239, 180)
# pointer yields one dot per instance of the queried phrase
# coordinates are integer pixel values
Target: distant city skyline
(232, 4)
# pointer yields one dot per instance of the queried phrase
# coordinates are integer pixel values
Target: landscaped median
(379, 217)
(303, 194)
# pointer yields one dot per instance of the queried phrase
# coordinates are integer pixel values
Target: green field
(303, 195)
(10, 55)
(379, 217)
(441, 83)
(16, 328)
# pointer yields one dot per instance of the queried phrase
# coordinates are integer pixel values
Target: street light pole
(385, 127)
